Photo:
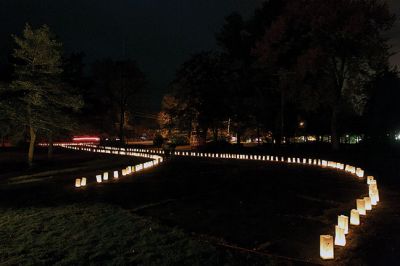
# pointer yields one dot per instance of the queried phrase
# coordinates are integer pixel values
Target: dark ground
(266, 211)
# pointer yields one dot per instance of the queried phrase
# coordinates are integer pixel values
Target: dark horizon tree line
(291, 61)
(45, 95)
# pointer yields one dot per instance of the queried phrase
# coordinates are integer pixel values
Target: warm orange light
(343, 222)
(326, 247)
(340, 238)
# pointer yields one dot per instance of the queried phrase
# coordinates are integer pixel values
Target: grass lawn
(93, 234)
(190, 212)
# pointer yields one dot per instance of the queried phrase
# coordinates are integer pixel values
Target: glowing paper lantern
(373, 199)
(78, 182)
(354, 217)
(361, 206)
(359, 172)
(368, 205)
(98, 178)
(123, 172)
(340, 238)
(369, 179)
(373, 184)
(343, 222)
(105, 176)
(324, 163)
(326, 247)
(374, 195)
(83, 182)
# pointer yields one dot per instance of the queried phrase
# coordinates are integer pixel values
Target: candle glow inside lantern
(373, 184)
(374, 195)
(359, 172)
(105, 176)
(326, 247)
(98, 178)
(361, 206)
(116, 174)
(368, 205)
(83, 182)
(343, 222)
(369, 179)
(354, 217)
(340, 238)
(78, 182)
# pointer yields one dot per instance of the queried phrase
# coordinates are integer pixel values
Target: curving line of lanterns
(327, 242)
(129, 170)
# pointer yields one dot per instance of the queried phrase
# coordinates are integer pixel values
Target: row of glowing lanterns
(100, 178)
(82, 182)
(327, 242)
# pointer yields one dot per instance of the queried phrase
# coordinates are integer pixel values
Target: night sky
(160, 34)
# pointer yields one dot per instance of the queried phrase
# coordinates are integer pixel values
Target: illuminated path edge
(327, 242)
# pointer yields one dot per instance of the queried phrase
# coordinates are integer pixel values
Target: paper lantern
(116, 174)
(369, 179)
(359, 172)
(361, 206)
(98, 178)
(326, 247)
(78, 182)
(368, 205)
(343, 222)
(123, 172)
(105, 176)
(83, 182)
(373, 184)
(354, 217)
(340, 238)
(324, 163)
(374, 195)
(304, 160)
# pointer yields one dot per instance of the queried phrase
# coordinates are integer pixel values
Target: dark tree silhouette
(118, 82)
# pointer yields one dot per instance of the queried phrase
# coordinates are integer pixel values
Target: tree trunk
(215, 134)
(32, 134)
(282, 117)
(334, 133)
(50, 147)
(121, 125)
(238, 138)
